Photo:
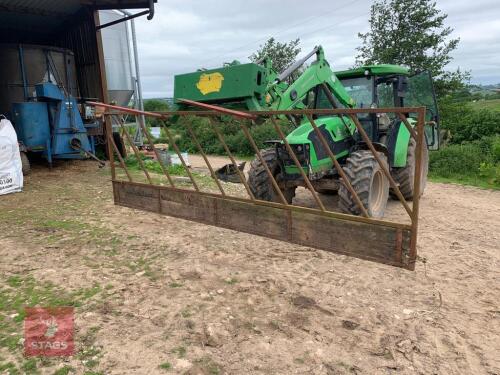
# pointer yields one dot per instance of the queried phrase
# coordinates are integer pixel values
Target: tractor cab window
(385, 92)
(323, 102)
(420, 93)
(361, 90)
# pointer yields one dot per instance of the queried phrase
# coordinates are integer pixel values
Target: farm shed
(69, 28)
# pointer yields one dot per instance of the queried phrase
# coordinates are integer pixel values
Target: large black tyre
(260, 183)
(25, 162)
(405, 176)
(368, 181)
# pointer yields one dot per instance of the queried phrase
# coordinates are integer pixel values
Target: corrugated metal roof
(41, 7)
(37, 20)
(66, 7)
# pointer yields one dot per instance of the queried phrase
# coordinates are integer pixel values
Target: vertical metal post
(23, 72)
(108, 127)
(416, 187)
(137, 81)
(137, 71)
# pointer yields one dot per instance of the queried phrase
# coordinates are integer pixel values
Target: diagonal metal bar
(122, 162)
(407, 124)
(137, 153)
(264, 164)
(230, 155)
(386, 171)
(207, 162)
(174, 145)
(148, 136)
(338, 166)
(297, 163)
(108, 131)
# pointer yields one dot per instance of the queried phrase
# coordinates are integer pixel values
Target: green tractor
(257, 87)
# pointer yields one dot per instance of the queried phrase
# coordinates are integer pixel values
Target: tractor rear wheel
(260, 184)
(25, 163)
(405, 176)
(368, 181)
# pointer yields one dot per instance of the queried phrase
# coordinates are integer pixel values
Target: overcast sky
(189, 34)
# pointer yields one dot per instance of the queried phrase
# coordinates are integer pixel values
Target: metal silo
(117, 58)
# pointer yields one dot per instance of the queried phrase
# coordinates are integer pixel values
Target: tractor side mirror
(402, 86)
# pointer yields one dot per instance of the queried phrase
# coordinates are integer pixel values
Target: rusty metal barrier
(384, 241)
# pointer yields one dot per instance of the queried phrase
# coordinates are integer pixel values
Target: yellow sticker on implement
(210, 83)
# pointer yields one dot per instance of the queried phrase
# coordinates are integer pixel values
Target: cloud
(186, 34)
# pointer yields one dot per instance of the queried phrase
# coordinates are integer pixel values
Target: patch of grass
(29, 366)
(472, 163)
(143, 265)
(87, 293)
(8, 368)
(69, 225)
(174, 284)
(64, 370)
(90, 356)
(180, 351)
(231, 281)
(464, 180)
(18, 292)
(165, 366)
(492, 105)
(209, 365)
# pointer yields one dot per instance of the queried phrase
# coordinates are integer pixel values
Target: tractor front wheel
(405, 176)
(368, 181)
(261, 185)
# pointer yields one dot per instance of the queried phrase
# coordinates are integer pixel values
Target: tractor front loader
(257, 87)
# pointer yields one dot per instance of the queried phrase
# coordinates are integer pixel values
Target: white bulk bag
(11, 170)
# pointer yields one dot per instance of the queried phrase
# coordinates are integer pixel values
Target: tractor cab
(386, 86)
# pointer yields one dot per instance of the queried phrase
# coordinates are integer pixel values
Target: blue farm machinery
(44, 109)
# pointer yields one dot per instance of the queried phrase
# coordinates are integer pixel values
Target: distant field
(493, 105)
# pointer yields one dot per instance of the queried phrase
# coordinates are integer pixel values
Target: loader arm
(292, 96)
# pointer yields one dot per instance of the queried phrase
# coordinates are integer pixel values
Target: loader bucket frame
(383, 241)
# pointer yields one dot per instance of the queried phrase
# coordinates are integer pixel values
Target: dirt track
(212, 301)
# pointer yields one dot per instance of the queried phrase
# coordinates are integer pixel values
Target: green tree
(281, 54)
(412, 33)
(154, 105)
